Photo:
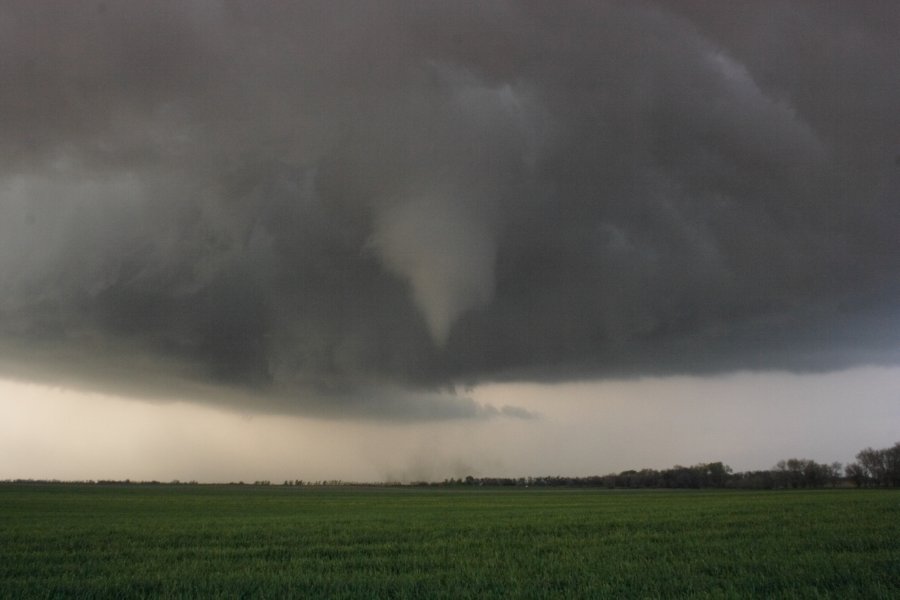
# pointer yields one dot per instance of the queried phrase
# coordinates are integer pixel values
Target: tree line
(873, 468)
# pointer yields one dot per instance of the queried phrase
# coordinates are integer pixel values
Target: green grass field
(274, 542)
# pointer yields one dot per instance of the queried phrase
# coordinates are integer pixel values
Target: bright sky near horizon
(748, 421)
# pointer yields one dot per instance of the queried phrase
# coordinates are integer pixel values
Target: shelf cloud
(361, 209)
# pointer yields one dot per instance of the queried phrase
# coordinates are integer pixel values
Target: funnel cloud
(363, 209)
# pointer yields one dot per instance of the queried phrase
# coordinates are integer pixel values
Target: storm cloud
(359, 208)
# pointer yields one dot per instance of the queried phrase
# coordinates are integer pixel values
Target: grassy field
(273, 542)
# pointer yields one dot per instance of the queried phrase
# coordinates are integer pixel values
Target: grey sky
(361, 210)
(749, 421)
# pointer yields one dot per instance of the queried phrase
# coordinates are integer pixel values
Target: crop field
(61, 541)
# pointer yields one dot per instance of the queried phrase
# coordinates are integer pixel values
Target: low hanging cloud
(354, 211)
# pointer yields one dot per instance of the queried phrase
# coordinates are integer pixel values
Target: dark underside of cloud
(353, 208)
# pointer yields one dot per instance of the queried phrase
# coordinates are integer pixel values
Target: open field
(245, 541)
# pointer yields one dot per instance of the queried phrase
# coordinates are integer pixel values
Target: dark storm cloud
(353, 208)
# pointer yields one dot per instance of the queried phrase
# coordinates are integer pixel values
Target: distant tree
(857, 474)
(834, 473)
(717, 474)
(803, 473)
(789, 473)
(815, 474)
(874, 462)
(892, 465)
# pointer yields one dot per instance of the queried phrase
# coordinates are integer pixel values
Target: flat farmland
(92, 541)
